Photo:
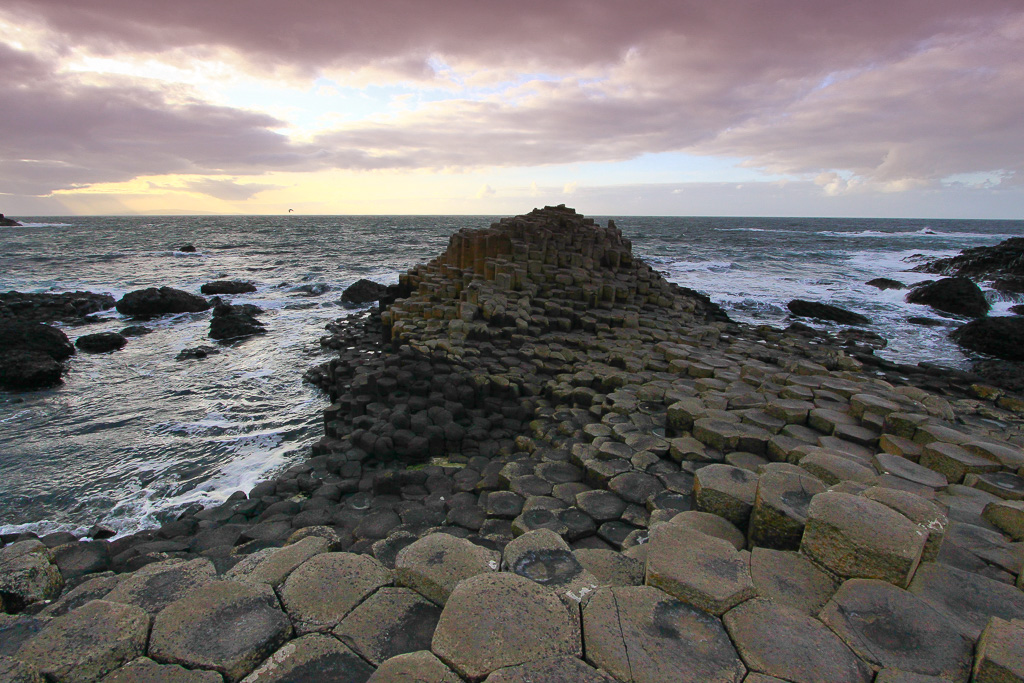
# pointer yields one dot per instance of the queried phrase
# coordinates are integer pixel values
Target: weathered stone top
(579, 481)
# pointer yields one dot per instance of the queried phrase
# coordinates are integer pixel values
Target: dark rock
(312, 289)
(29, 370)
(1002, 337)
(927, 322)
(34, 337)
(391, 622)
(135, 331)
(197, 352)
(69, 307)
(227, 287)
(187, 248)
(79, 558)
(8, 222)
(313, 658)
(1017, 309)
(815, 309)
(363, 292)
(1003, 259)
(952, 295)
(149, 302)
(884, 283)
(101, 342)
(234, 322)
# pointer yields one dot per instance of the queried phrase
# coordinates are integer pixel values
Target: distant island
(8, 222)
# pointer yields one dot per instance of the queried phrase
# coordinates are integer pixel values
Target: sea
(134, 436)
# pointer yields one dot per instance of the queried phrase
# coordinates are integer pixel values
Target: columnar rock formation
(611, 483)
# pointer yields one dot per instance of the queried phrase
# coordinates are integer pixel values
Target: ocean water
(133, 436)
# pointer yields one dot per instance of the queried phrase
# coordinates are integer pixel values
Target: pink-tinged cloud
(897, 92)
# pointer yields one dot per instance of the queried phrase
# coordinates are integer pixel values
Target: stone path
(545, 462)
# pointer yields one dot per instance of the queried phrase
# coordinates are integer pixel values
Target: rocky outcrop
(1002, 337)
(8, 222)
(952, 295)
(815, 309)
(47, 307)
(235, 322)
(1005, 259)
(619, 486)
(31, 355)
(153, 301)
(363, 292)
(227, 287)
(101, 342)
(884, 283)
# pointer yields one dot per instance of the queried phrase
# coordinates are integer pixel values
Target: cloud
(570, 188)
(892, 95)
(485, 192)
(228, 190)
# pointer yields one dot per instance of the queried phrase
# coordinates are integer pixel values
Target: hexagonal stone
(635, 487)
(226, 626)
(781, 641)
(1003, 484)
(435, 564)
(954, 462)
(79, 558)
(311, 659)
(731, 436)
(13, 671)
(602, 506)
(725, 491)
(87, 591)
(391, 622)
(789, 410)
(712, 525)
(551, 669)
(145, 670)
(157, 585)
(856, 537)
(611, 568)
(27, 575)
(496, 620)
(702, 570)
(415, 667)
(1008, 516)
(911, 471)
(539, 518)
(503, 504)
(892, 628)
(1000, 656)
(790, 579)
(922, 512)
(966, 600)
(543, 557)
(780, 508)
(275, 566)
(682, 414)
(88, 643)
(833, 468)
(1007, 455)
(642, 635)
(325, 588)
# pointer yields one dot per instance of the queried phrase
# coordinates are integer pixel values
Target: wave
(922, 232)
(41, 225)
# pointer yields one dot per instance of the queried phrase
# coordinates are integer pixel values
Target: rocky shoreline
(542, 461)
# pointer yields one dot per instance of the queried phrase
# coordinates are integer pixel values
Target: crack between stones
(622, 635)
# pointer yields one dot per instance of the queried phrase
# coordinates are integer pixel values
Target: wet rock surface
(153, 301)
(47, 307)
(542, 461)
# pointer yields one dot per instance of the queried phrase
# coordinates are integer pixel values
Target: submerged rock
(311, 290)
(952, 295)
(31, 355)
(227, 287)
(363, 292)
(197, 352)
(101, 342)
(815, 309)
(1002, 337)
(234, 322)
(149, 302)
(884, 283)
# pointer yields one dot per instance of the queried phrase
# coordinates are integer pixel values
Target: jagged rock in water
(101, 342)
(31, 355)
(363, 292)
(1003, 259)
(70, 307)
(227, 287)
(816, 309)
(884, 283)
(952, 295)
(8, 222)
(144, 303)
(1002, 337)
(233, 322)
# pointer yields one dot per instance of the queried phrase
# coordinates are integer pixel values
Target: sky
(889, 108)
